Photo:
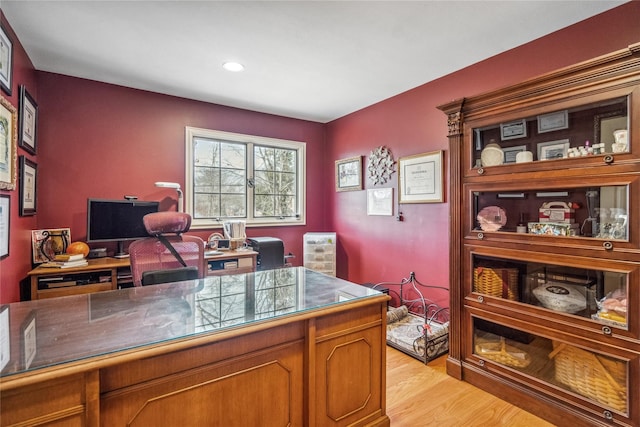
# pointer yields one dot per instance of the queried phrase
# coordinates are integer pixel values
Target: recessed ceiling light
(233, 66)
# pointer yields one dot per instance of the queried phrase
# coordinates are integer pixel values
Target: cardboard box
(559, 212)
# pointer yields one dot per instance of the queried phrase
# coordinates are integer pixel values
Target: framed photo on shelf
(28, 121)
(513, 130)
(553, 149)
(29, 339)
(28, 182)
(46, 244)
(510, 153)
(6, 61)
(420, 178)
(380, 201)
(349, 174)
(5, 217)
(8, 144)
(553, 121)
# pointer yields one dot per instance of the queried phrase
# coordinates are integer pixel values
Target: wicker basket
(597, 377)
(501, 352)
(496, 282)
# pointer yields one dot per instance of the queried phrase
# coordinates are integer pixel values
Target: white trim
(191, 132)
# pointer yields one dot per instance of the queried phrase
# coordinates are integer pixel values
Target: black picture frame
(5, 226)
(28, 129)
(28, 186)
(6, 56)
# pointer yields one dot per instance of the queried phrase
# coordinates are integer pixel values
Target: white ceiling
(312, 60)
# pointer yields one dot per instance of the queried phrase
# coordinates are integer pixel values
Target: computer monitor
(117, 221)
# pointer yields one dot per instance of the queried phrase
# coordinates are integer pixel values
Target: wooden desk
(106, 274)
(102, 274)
(246, 262)
(290, 347)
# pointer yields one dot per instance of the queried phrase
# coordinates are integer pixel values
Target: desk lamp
(176, 187)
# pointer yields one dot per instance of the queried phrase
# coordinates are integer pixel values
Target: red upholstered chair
(151, 258)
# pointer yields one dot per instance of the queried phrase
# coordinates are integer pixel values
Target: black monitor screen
(117, 220)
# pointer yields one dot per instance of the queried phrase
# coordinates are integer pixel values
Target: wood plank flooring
(421, 395)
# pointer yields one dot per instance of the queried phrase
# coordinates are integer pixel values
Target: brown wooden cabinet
(276, 347)
(545, 251)
(106, 274)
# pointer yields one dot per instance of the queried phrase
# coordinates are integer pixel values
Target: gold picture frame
(420, 178)
(349, 174)
(8, 144)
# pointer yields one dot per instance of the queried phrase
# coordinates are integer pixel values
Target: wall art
(28, 181)
(6, 61)
(420, 178)
(349, 174)
(380, 165)
(28, 121)
(8, 144)
(380, 201)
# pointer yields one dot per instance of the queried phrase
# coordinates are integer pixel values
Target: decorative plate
(492, 218)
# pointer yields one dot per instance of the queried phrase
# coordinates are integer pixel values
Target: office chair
(157, 259)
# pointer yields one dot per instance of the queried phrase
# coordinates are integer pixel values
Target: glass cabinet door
(601, 379)
(599, 295)
(591, 211)
(594, 129)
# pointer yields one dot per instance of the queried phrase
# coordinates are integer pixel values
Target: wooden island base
(322, 367)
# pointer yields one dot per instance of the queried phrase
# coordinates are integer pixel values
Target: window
(235, 176)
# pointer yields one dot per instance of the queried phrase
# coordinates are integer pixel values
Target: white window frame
(301, 147)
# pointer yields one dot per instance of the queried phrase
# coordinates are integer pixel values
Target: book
(68, 257)
(69, 264)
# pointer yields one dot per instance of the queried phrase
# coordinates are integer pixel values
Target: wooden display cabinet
(545, 250)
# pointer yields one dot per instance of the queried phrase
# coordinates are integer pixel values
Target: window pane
(264, 159)
(264, 206)
(286, 183)
(206, 152)
(206, 180)
(233, 156)
(206, 205)
(233, 206)
(233, 181)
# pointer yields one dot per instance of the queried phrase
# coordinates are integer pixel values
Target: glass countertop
(54, 331)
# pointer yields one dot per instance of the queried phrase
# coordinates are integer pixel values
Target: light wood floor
(424, 395)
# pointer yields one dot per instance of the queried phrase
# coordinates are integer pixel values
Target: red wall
(375, 248)
(14, 267)
(101, 140)
(106, 141)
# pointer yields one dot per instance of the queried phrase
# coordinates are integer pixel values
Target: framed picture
(553, 121)
(29, 339)
(513, 130)
(510, 153)
(349, 174)
(420, 178)
(553, 149)
(28, 181)
(8, 144)
(46, 244)
(5, 217)
(6, 61)
(28, 121)
(5, 337)
(380, 201)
